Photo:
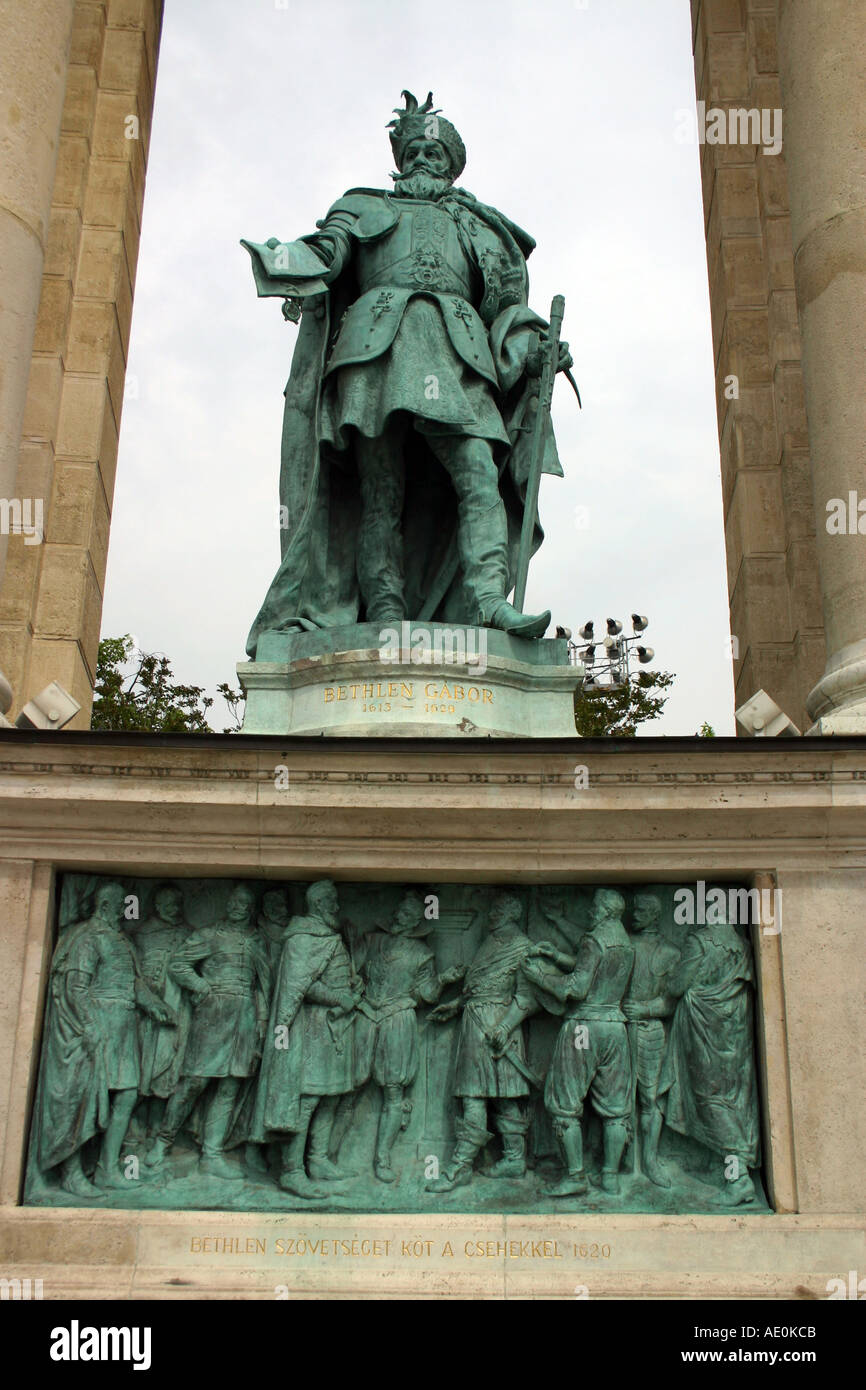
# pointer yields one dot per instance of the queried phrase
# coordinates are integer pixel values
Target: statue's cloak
(316, 585)
(707, 1085)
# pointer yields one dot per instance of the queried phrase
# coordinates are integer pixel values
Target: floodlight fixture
(52, 708)
(639, 623)
(762, 718)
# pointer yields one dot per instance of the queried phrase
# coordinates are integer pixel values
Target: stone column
(822, 67)
(34, 56)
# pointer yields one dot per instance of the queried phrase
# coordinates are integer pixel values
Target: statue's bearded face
(425, 170)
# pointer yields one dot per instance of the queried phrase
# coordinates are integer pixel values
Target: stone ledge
(158, 1255)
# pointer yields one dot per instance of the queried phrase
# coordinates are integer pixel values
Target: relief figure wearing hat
(408, 419)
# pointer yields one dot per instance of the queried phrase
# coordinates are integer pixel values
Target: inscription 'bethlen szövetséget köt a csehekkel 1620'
(371, 1047)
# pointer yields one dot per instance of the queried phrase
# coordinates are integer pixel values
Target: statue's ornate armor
(494, 981)
(399, 973)
(223, 1032)
(421, 254)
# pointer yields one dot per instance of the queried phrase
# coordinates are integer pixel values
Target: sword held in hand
(549, 369)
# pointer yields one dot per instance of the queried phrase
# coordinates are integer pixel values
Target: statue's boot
(615, 1140)
(471, 1139)
(157, 1154)
(254, 1161)
(740, 1191)
(322, 1168)
(380, 561)
(343, 1121)
(217, 1165)
(74, 1180)
(512, 1164)
(483, 546)
(390, 1124)
(292, 1175)
(295, 1180)
(650, 1128)
(216, 1126)
(505, 618)
(573, 1183)
(109, 1177)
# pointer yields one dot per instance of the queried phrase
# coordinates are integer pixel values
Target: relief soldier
(308, 1062)
(273, 921)
(91, 1067)
(225, 969)
(157, 940)
(400, 973)
(491, 1069)
(708, 1085)
(591, 1056)
(646, 1005)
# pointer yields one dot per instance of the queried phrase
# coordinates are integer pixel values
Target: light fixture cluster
(611, 667)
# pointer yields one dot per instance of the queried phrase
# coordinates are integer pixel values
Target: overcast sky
(265, 114)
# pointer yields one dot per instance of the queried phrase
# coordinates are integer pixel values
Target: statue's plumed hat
(416, 122)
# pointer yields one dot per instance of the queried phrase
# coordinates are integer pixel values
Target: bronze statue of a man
(308, 1063)
(409, 410)
(157, 941)
(645, 1006)
(225, 970)
(708, 1087)
(91, 1069)
(591, 1056)
(399, 973)
(490, 1068)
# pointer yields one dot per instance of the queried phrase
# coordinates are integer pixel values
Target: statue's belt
(596, 1013)
(377, 1013)
(120, 999)
(405, 275)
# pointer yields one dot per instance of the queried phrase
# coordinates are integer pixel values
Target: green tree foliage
(616, 711)
(136, 692)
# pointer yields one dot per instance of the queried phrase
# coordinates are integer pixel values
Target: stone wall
(51, 605)
(773, 581)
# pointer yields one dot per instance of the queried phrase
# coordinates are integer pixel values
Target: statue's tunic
(708, 1075)
(223, 1034)
(415, 319)
(315, 1057)
(654, 958)
(602, 1067)
(93, 979)
(493, 981)
(108, 957)
(400, 972)
(162, 1046)
(272, 935)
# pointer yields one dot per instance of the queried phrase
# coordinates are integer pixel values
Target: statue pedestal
(413, 680)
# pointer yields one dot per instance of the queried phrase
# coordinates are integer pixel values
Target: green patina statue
(374, 1048)
(409, 420)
